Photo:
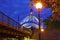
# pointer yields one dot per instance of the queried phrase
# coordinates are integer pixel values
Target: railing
(8, 21)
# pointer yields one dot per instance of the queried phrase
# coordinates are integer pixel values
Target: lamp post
(39, 6)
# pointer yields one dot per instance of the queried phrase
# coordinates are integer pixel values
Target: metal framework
(10, 28)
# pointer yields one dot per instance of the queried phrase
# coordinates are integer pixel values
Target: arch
(29, 20)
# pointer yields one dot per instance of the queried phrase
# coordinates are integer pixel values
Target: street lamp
(42, 30)
(39, 6)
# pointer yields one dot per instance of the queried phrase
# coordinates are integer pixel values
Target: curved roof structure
(30, 21)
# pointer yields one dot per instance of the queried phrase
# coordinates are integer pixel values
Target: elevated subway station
(12, 30)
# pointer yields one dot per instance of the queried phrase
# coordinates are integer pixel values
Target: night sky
(21, 8)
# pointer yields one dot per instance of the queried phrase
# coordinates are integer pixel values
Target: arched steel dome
(30, 18)
(30, 21)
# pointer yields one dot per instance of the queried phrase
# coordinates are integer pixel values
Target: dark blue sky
(21, 8)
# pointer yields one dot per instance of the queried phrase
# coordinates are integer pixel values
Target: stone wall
(52, 34)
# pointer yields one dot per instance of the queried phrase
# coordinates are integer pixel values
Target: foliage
(52, 24)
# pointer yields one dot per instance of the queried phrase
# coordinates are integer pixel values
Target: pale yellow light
(38, 5)
(26, 38)
(42, 30)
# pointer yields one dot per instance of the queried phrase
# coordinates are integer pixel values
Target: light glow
(38, 5)
(42, 30)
